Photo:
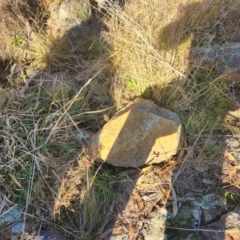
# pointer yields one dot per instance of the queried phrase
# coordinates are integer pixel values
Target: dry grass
(150, 53)
(145, 52)
(39, 127)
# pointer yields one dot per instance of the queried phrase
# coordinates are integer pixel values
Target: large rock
(223, 60)
(141, 133)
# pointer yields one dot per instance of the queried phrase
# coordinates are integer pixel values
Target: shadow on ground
(191, 191)
(195, 202)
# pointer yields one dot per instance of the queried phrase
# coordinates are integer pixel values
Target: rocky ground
(184, 196)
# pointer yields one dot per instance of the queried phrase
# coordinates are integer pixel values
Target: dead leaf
(144, 186)
(185, 143)
(138, 231)
(146, 169)
(235, 113)
(138, 201)
(163, 190)
(170, 166)
(131, 231)
(230, 158)
(106, 117)
(180, 155)
(233, 234)
(117, 230)
(166, 178)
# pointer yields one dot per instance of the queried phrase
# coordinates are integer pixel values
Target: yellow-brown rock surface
(141, 133)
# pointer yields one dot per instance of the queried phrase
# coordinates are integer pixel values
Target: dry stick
(89, 112)
(203, 230)
(74, 99)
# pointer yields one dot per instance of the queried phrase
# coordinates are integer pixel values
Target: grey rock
(223, 60)
(232, 220)
(228, 62)
(69, 20)
(205, 57)
(156, 226)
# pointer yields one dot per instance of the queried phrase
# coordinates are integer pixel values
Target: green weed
(131, 85)
(228, 197)
(106, 185)
(17, 41)
(211, 149)
(83, 13)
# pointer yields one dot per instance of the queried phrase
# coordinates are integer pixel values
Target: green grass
(36, 132)
(107, 185)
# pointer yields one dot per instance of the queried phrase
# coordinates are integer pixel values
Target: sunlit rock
(141, 133)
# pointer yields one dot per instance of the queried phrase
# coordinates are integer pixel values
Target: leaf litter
(203, 200)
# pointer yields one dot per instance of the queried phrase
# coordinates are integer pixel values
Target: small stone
(141, 133)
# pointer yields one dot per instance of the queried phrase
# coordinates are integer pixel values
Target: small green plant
(63, 149)
(17, 41)
(211, 149)
(132, 85)
(82, 14)
(106, 185)
(228, 197)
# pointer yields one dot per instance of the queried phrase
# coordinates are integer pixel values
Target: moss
(184, 219)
